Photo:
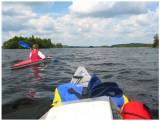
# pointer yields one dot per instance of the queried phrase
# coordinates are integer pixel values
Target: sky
(82, 23)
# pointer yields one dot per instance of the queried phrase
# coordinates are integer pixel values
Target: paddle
(24, 44)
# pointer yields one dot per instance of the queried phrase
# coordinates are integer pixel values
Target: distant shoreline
(13, 43)
(85, 47)
(130, 45)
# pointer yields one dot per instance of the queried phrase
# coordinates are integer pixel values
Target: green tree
(43, 43)
(59, 45)
(156, 40)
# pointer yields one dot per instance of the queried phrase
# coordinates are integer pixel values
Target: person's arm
(41, 55)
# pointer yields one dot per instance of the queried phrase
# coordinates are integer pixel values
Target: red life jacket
(34, 55)
(135, 110)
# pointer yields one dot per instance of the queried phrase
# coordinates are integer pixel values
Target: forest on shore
(47, 43)
(43, 43)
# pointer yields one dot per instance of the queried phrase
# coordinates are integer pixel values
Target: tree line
(43, 43)
(46, 43)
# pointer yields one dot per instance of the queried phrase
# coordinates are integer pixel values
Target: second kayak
(29, 62)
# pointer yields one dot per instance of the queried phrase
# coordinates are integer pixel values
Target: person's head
(35, 46)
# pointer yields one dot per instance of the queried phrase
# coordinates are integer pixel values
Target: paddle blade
(23, 44)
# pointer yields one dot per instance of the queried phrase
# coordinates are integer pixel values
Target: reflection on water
(36, 72)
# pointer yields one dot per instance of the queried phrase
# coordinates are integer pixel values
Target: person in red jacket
(35, 54)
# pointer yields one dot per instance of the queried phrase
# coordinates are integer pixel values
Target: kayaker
(35, 54)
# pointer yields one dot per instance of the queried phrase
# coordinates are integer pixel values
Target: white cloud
(42, 23)
(107, 9)
(15, 16)
(87, 30)
(17, 9)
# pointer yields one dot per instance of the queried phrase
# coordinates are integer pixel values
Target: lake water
(26, 92)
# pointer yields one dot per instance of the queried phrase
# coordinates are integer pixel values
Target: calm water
(26, 92)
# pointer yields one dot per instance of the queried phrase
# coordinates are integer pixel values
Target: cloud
(15, 16)
(94, 28)
(17, 9)
(42, 23)
(107, 9)
(98, 31)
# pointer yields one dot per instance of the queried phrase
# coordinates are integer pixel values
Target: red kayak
(29, 62)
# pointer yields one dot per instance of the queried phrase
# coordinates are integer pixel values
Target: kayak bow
(82, 109)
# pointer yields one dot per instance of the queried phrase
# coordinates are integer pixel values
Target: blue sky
(82, 23)
(60, 8)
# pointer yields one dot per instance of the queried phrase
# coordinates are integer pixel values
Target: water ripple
(134, 69)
